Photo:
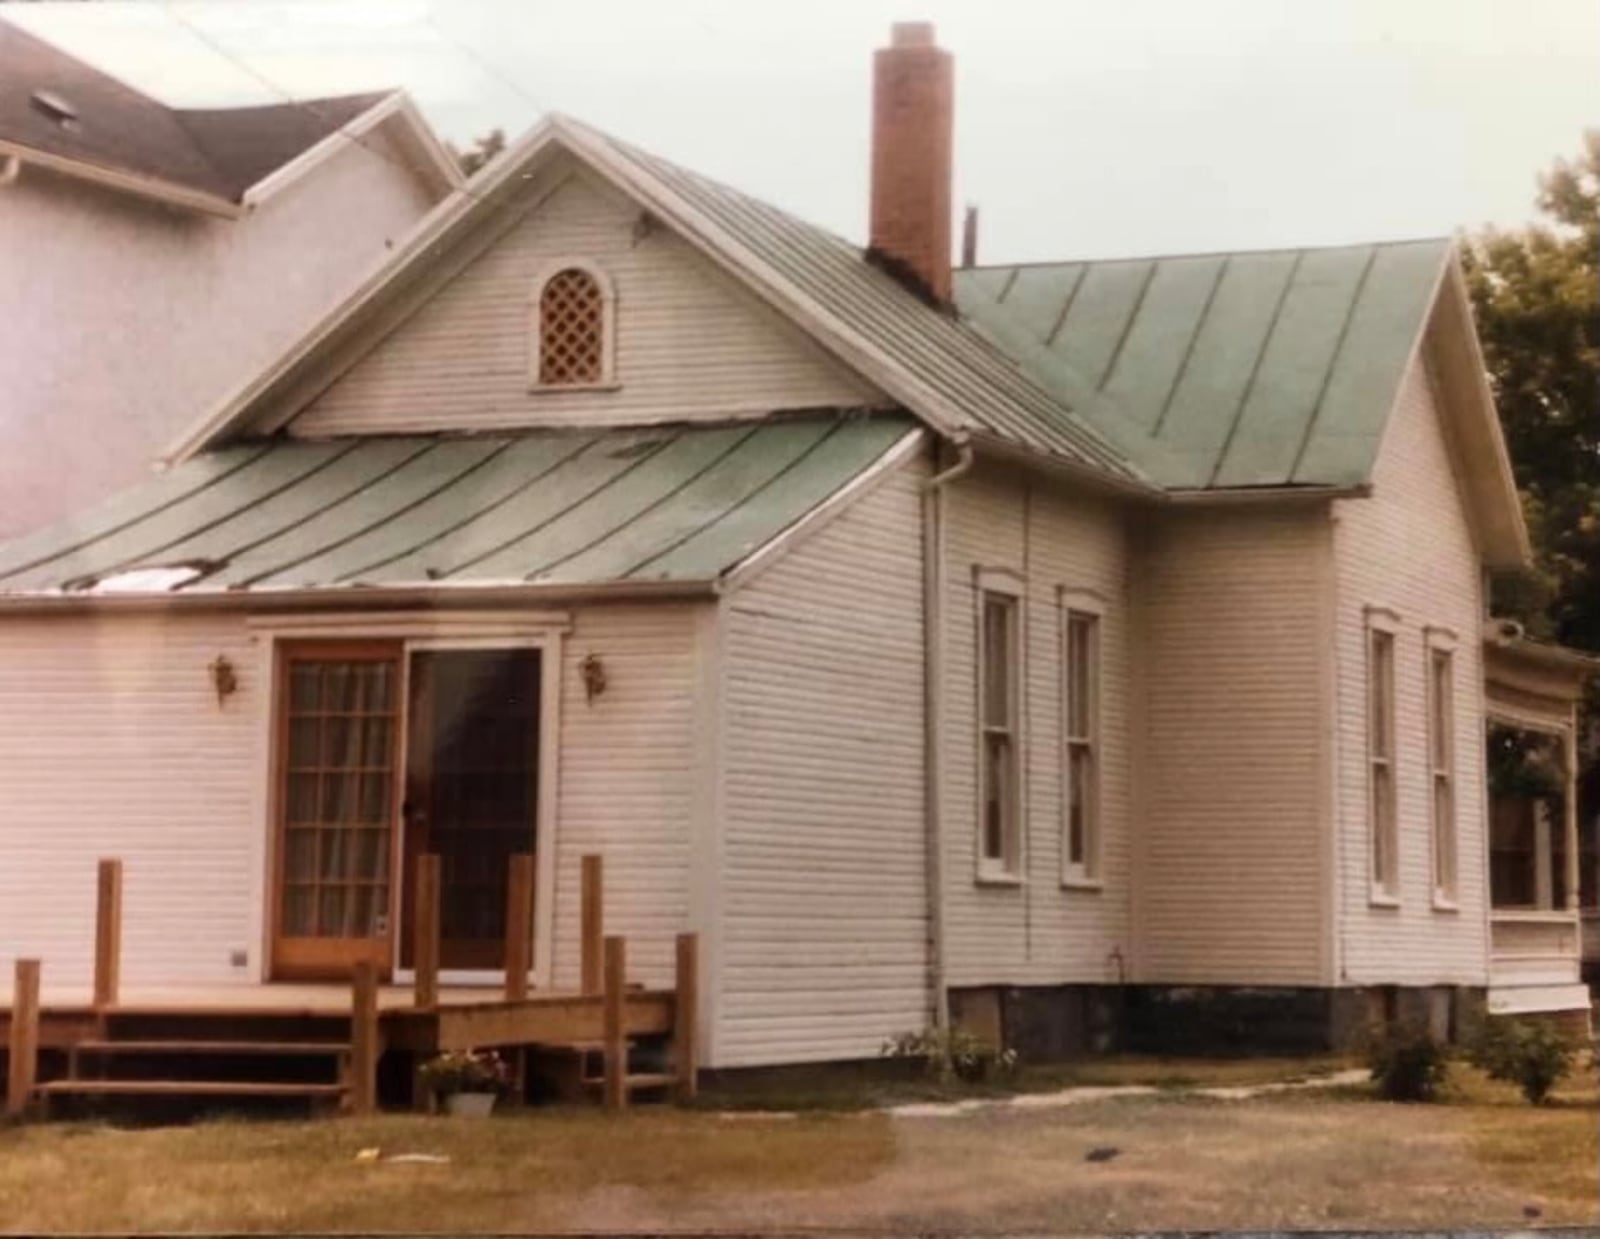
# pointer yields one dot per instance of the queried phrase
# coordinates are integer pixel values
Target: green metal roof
(560, 508)
(961, 365)
(1269, 368)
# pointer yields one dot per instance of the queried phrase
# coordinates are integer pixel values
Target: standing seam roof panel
(751, 465)
(1282, 372)
(1301, 347)
(989, 389)
(682, 505)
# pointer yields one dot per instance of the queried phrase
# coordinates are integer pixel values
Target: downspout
(9, 168)
(933, 557)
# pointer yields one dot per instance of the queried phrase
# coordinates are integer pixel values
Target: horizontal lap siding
(1038, 933)
(690, 344)
(1233, 878)
(823, 911)
(627, 782)
(112, 743)
(1409, 547)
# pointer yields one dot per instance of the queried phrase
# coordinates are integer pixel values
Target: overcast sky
(1083, 128)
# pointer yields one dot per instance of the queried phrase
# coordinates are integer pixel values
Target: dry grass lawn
(1295, 1160)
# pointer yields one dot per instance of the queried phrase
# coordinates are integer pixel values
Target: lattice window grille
(571, 330)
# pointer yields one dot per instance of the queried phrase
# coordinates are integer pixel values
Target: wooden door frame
(374, 649)
(549, 647)
(541, 629)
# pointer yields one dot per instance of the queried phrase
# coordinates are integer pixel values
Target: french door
(472, 788)
(338, 788)
(356, 802)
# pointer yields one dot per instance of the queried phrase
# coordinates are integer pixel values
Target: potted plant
(467, 1082)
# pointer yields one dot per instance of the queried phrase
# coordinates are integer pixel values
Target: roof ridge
(1216, 253)
(1099, 451)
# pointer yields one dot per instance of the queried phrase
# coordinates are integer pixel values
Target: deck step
(186, 1088)
(285, 1049)
(638, 1081)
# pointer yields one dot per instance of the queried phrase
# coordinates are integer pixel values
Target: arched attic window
(573, 327)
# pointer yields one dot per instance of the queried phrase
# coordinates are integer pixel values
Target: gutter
(432, 595)
(135, 183)
(933, 559)
(1245, 496)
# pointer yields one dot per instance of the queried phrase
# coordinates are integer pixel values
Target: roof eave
(435, 167)
(1090, 477)
(1506, 543)
(428, 593)
(1240, 496)
(151, 188)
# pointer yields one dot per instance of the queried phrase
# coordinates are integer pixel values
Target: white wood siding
(628, 780)
(1035, 932)
(824, 913)
(1234, 882)
(1409, 547)
(690, 344)
(112, 744)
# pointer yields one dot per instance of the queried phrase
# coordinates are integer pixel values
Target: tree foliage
(482, 150)
(1536, 291)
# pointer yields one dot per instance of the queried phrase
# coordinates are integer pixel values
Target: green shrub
(952, 1053)
(1534, 1055)
(1408, 1064)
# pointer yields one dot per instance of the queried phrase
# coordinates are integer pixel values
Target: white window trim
(608, 327)
(1006, 583)
(1446, 894)
(1087, 875)
(1388, 621)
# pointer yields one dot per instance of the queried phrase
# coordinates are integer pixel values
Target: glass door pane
(473, 788)
(339, 716)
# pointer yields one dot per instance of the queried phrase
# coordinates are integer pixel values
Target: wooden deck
(465, 1017)
(62, 1042)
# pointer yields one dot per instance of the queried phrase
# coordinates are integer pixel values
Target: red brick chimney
(913, 116)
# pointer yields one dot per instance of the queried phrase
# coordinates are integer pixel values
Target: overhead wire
(310, 108)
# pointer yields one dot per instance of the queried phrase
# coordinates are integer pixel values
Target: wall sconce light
(223, 678)
(594, 676)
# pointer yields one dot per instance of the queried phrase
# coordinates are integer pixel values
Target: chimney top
(911, 34)
(913, 112)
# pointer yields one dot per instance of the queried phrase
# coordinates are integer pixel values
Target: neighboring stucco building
(156, 257)
(1029, 643)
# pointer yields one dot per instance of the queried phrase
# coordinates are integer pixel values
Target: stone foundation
(1042, 1023)
(1050, 1023)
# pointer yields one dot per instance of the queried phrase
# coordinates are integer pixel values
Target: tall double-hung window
(1382, 799)
(1080, 745)
(999, 684)
(1442, 765)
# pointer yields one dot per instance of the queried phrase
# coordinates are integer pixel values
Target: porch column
(1569, 762)
(1543, 869)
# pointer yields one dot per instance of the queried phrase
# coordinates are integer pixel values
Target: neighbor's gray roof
(564, 508)
(1269, 368)
(218, 151)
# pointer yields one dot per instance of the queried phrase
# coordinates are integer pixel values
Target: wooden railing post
(593, 922)
(425, 919)
(616, 1038)
(108, 934)
(364, 1039)
(686, 1007)
(24, 1043)
(519, 925)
